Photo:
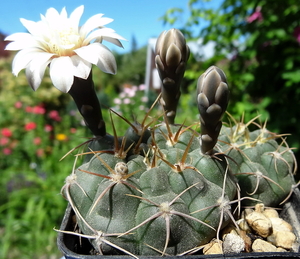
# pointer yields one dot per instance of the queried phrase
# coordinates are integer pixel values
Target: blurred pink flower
(6, 132)
(7, 151)
(18, 105)
(28, 109)
(117, 101)
(73, 130)
(130, 91)
(257, 15)
(126, 101)
(4, 141)
(54, 115)
(144, 99)
(39, 109)
(48, 128)
(37, 141)
(122, 95)
(296, 34)
(40, 152)
(142, 87)
(30, 126)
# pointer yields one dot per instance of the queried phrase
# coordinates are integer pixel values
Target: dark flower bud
(172, 54)
(212, 99)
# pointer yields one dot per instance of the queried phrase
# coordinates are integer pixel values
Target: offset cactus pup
(262, 161)
(166, 189)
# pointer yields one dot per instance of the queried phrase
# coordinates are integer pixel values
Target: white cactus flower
(69, 49)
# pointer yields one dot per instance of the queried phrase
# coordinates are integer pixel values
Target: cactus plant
(264, 167)
(170, 198)
(164, 188)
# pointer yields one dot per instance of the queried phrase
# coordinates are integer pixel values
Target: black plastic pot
(74, 247)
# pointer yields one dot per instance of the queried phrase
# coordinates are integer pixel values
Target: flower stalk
(85, 97)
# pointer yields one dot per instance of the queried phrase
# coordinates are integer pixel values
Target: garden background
(257, 44)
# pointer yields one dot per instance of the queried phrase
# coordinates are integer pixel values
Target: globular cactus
(261, 160)
(172, 197)
(167, 202)
(146, 207)
(164, 188)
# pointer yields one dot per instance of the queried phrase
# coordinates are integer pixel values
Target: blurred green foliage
(36, 130)
(257, 44)
(131, 70)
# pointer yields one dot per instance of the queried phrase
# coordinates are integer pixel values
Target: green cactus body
(170, 208)
(215, 170)
(263, 167)
(99, 143)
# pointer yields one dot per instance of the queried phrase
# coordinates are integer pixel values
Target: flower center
(64, 42)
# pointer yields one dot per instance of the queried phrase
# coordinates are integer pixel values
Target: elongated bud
(172, 54)
(212, 99)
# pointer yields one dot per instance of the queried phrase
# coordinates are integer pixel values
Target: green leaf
(292, 76)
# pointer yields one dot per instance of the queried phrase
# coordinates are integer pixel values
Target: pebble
(213, 247)
(233, 244)
(259, 223)
(259, 230)
(270, 213)
(279, 224)
(282, 233)
(260, 245)
(243, 225)
(284, 239)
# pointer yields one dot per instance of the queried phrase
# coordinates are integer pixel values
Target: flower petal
(54, 20)
(99, 55)
(18, 36)
(21, 61)
(36, 69)
(76, 15)
(63, 13)
(88, 53)
(20, 41)
(33, 28)
(107, 62)
(114, 41)
(62, 73)
(51, 14)
(82, 68)
(25, 56)
(103, 33)
(92, 23)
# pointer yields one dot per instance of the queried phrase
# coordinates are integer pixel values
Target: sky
(138, 18)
